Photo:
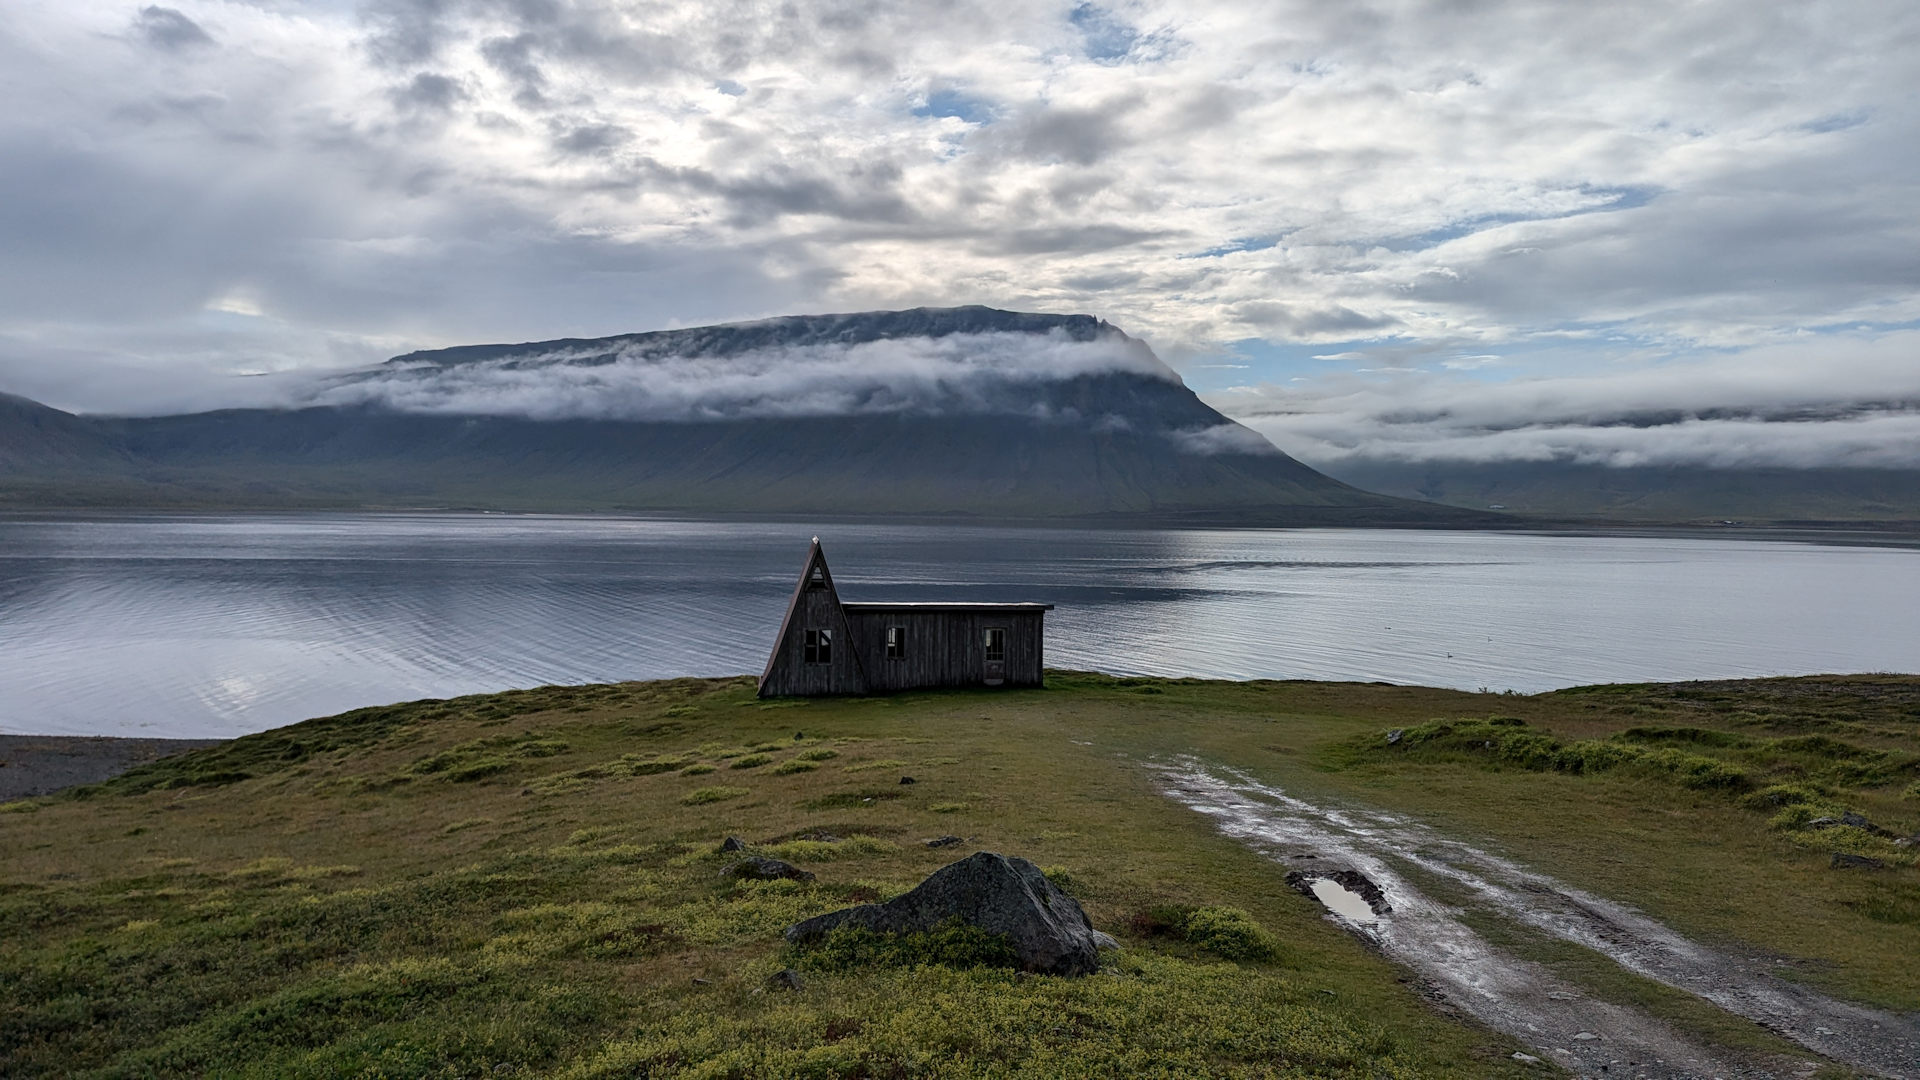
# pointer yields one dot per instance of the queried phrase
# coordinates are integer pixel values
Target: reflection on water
(1344, 902)
(216, 625)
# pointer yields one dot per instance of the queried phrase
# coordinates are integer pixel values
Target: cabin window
(996, 641)
(896, 643)
(819, 646)
(817, 577)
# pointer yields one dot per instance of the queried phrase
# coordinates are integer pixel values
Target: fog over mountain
(956, 411)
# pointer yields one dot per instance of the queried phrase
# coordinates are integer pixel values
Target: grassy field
(527, 883)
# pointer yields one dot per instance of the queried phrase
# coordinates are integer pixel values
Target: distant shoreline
(1867, 533)
(43, 764)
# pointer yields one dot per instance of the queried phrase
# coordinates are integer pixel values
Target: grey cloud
(513, 57)
(1071, 135)
(861, 193)
(1309, 321)
(166, 28)
(1071, 238)
(430, 90)
(406, 31)
(591, 138)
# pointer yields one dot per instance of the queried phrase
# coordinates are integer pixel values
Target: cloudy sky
(1621, 232)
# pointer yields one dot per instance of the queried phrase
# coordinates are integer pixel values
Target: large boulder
(1007, 896)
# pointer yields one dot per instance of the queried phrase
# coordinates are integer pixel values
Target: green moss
(751, 761)
(819, 753)
(953, 945)
(797, 765)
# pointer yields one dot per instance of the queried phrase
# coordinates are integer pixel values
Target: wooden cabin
(830, 647)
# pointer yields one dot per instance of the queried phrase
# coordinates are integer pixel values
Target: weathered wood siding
(947, 648)
(814, 607)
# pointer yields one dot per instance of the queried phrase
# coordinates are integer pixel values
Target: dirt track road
(1524, 999)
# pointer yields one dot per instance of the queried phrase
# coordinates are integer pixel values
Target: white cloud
(959, 373)
(1828, 401)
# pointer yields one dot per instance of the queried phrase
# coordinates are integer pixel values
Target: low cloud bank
(958, 373)
(1812, 405)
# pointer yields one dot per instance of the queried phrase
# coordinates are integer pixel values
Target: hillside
(529, 883)
(1649, 494)
(967, 411)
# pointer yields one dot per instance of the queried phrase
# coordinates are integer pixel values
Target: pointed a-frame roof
(815, 575)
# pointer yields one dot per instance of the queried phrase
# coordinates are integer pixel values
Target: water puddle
(1344, 902)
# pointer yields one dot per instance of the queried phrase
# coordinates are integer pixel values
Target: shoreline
(33, 765)
(1890, 533)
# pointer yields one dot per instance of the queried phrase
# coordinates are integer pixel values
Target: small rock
(1394, 736)
(1823, 823)
(1822, 1031)
(1844, 861)
(763, 869)
(797, 736)
(1047, 929)
(908, 780)
(1907, 841)
(732, 843)
(703, 982)
(785, 979)
(944, 841)
(1560, 995)
(1859, 821)
(1525, 1059)
(1585, 1036)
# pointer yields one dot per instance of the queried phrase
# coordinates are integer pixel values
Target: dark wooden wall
(947, 648)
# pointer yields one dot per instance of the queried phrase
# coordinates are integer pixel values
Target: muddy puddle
(1361, 865)
(1343, 902)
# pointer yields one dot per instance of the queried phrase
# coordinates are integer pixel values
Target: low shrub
(1227, 932)
(819, 753)
(698, 769)
(751, 761)
(1506, 740)
(788, 768)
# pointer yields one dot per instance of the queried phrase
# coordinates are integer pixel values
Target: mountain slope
(1651, 494)
(931, 411)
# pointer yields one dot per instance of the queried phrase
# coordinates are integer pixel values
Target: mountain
(1651, 494)
(969, 411)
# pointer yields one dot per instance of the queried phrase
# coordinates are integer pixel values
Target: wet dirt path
(1314, 844)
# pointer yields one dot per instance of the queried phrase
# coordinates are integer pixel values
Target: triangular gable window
(817, 577)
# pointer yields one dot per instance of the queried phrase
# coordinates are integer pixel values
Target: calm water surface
(220, 625)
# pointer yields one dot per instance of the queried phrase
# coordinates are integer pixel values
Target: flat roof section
(917, 606)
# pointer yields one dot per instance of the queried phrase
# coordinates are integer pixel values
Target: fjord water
(215, 625)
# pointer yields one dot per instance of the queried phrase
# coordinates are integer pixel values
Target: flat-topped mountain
(966, 410)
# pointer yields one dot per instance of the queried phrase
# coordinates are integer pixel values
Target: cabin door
(995, 643)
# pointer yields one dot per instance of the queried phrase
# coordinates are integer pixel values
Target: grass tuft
(705, 795)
